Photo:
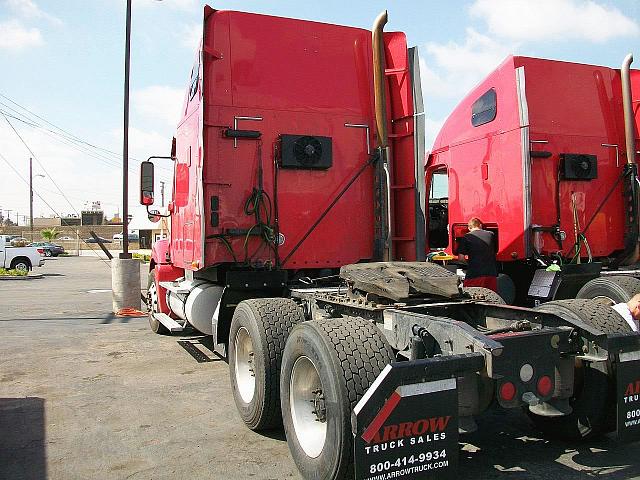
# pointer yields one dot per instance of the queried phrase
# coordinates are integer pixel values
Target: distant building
(92, 214)
(71, 221)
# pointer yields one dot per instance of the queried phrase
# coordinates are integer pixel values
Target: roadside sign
(406, 431)
(628, 379)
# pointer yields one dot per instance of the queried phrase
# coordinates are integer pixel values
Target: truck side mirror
(154, 216)
(146, 183)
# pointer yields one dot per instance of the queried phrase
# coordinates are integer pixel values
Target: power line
(48, 205)
(78, 139)
(40, 163)
(71, 140)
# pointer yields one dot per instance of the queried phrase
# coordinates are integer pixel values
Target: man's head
(634, 306)
(474, 224)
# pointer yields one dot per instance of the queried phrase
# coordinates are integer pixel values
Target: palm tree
(49, 234)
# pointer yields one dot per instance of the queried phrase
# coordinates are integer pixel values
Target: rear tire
(22, 264)
(153, 305)
(594, 393)
(327, 367)
(258, 334)
(482, 294)
(610, 290)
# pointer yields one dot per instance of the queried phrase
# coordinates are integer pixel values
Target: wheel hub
(319, 407)
(308, 406)
(244, 365)
(152, 298)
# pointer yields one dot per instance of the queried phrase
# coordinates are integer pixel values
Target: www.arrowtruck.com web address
(410, 470)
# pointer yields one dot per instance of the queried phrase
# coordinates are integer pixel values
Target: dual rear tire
(307, 375)
(343, 357)
(593, 401)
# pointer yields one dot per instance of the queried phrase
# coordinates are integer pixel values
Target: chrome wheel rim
(604, 299)
(244, 370)
(21, 266)
(307, 404)
(152, 298)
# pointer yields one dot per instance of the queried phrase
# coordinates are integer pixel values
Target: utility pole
(31, 196)
(9, 214)
(162, 192)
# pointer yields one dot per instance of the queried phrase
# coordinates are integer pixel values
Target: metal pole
(31, 196)
(125, 143)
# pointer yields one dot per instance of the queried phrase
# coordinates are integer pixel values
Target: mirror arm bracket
(157, 214)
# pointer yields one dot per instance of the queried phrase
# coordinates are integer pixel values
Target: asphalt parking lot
(87, 395)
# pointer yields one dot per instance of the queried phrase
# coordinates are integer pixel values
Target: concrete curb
(28, 277)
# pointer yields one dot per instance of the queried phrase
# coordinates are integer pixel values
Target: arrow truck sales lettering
(632, 392)
(420, 431)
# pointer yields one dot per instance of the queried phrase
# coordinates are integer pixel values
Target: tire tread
(278, 316)
(362, 352)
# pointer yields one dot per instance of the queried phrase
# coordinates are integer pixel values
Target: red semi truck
(545, 153)
(298, 237)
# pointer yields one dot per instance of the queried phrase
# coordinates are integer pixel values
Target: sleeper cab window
(484, 109)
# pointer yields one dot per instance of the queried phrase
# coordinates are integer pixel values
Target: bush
(4, 272)
(142, 256)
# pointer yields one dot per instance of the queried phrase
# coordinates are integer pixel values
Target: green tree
(49, 234)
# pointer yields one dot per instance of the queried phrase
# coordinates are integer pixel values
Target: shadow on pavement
(22, 439)
(201, 348)
(507, 445)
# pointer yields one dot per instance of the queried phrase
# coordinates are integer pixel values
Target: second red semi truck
(300, 223)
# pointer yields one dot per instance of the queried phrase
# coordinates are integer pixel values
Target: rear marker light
(40, 251)
(545, 386)
(507, 391)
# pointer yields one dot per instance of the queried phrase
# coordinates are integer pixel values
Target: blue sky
(63, 60)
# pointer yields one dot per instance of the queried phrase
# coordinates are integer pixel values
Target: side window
(439, 210)
(484, 109)
(193, 83)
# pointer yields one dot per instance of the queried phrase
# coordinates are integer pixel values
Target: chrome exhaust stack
(625, 74)
(384, 230)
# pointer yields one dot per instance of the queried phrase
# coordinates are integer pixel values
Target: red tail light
(507, 391)
(545, 386)
(41, 251)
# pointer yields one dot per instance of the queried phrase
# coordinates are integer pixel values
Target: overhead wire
(47, 203)
(112, 160)
(66, 132)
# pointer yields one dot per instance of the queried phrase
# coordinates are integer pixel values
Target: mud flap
(628, 396)
(406, 424)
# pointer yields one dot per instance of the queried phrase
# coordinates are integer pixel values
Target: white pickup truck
(20, 258)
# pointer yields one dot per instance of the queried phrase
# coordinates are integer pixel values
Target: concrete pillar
(125, 283)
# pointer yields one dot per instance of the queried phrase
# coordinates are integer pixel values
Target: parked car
(50, 249)
(133, 237)
(100, 239)
(20, 258)
(66, 237)
(19, 242)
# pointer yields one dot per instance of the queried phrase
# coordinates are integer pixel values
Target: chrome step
(168, 322)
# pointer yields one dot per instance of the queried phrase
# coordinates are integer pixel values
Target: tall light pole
(125, 142)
